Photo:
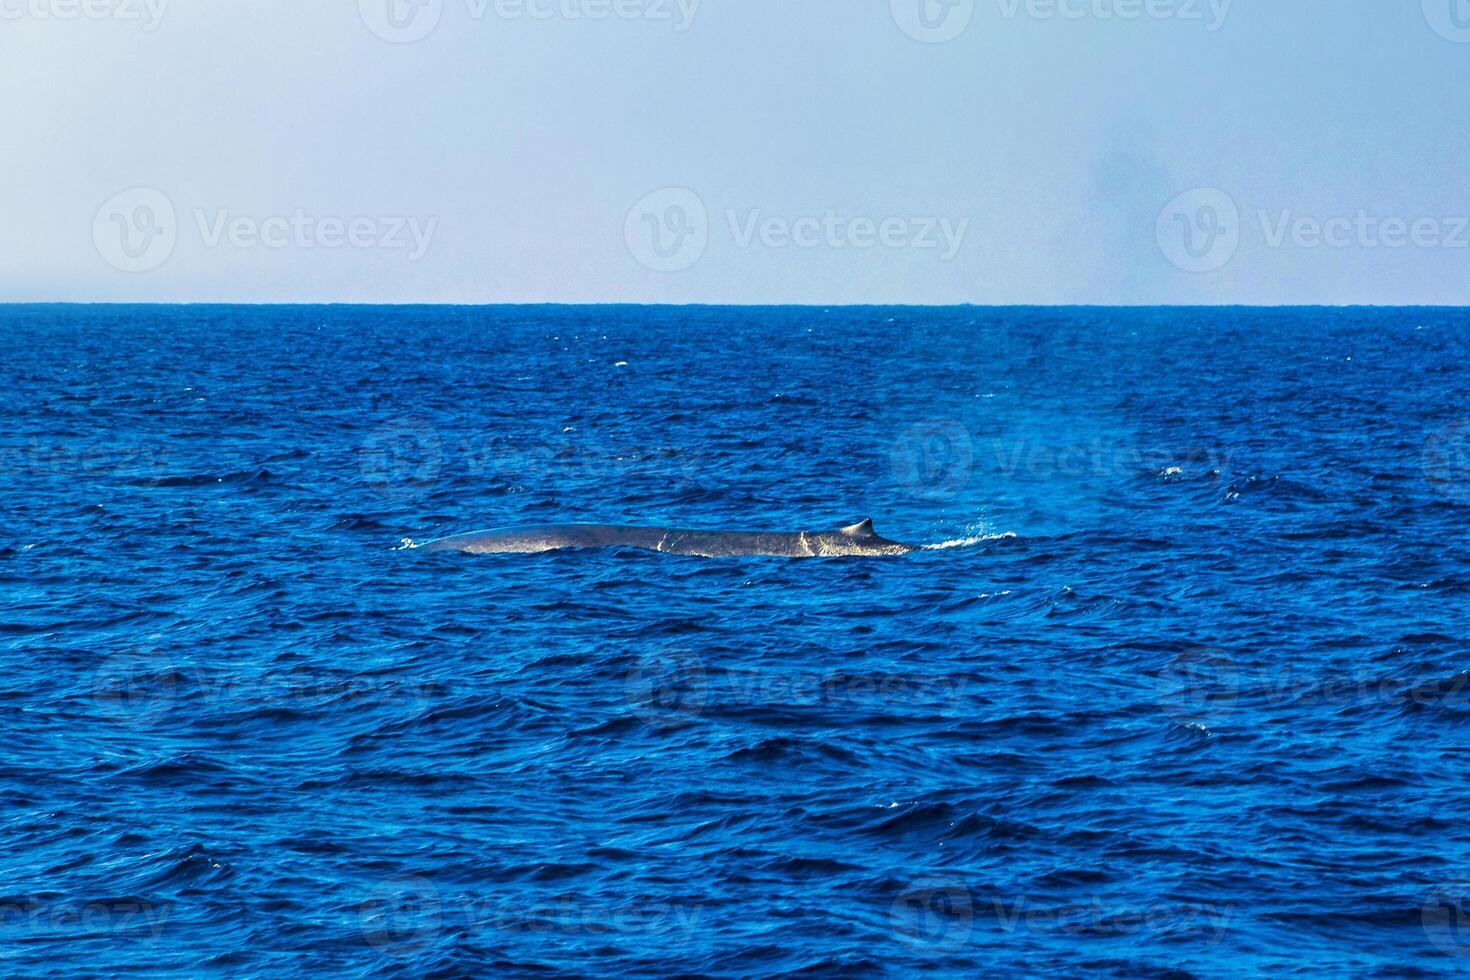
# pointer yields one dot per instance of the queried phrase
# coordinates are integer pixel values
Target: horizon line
(773, 305)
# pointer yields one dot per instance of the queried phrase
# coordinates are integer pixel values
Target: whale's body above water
(859, 539)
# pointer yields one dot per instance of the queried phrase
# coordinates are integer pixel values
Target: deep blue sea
(1178, 689)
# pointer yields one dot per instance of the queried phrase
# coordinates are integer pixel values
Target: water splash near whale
(967, 542)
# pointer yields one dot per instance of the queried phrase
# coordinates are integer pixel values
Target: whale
(855, 540)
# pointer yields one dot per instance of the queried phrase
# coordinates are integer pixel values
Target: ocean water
(1177, 689)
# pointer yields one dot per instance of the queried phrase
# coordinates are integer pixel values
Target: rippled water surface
(1178, 690)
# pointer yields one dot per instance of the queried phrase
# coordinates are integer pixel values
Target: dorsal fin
(862, 529)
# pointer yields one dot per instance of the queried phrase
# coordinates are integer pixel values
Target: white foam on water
(967, 542)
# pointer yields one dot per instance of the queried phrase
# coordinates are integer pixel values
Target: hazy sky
(749, 151)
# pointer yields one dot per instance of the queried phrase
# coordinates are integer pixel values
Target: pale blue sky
(502, 157)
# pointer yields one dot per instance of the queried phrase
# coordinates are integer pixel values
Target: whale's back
(858, 539)
(533, 539)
